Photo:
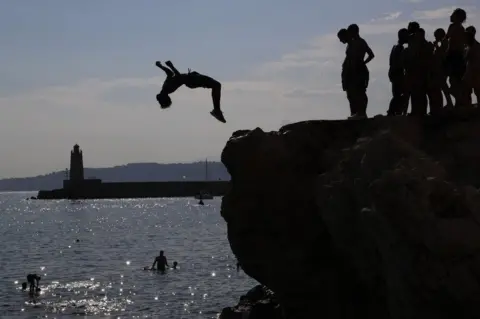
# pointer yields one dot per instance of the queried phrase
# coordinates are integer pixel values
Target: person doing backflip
(192, 80)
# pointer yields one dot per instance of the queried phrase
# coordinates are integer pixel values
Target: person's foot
(218, 115)
(168, 63)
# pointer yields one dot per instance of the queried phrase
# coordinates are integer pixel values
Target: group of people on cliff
(418, 69)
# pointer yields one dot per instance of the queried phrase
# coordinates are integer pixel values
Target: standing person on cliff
(455, 56)
(360, 75)
(440, 50)
(396, 74)
(472, 75)
(419, 55)
(346, 75)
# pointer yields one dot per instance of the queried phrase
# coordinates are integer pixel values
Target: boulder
(258, 303)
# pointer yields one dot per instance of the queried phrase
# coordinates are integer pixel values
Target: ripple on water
(91, 256)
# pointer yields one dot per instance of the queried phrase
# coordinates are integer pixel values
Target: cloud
(388, 16)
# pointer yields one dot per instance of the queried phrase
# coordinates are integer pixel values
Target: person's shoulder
(363, 42)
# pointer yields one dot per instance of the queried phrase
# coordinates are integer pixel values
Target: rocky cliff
(376, 218)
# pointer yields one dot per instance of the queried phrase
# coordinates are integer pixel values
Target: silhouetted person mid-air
(161, 262)
(192, 80)
(396, 75)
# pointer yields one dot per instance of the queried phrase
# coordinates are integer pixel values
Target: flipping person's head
(164, 100)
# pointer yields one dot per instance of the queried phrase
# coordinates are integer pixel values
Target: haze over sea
(102, 274)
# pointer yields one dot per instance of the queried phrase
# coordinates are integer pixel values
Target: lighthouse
(76, 165)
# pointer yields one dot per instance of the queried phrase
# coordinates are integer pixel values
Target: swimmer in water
(33, 280)
(161, 262)
(175, 264)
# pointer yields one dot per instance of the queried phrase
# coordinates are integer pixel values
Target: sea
(91, 256)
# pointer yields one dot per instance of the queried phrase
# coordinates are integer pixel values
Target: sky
(83, 72)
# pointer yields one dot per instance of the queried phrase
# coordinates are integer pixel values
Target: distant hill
(137, 172)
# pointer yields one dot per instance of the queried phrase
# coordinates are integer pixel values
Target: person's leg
(351, 100)
(435, 99)
(196, 80)
(363, 86)
(446, 93)
(423, 99)
(394, 107)
(171, 66)
(216, 96)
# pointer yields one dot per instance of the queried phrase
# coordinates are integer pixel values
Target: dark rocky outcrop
(258, 303)
(376, 218)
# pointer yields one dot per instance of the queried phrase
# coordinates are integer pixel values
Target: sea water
(91, 255)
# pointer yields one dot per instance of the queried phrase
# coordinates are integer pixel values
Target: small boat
(204, 194)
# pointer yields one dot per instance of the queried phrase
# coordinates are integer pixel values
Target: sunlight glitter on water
(94, 253)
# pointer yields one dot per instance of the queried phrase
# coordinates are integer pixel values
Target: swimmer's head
(161, 252)
(175, 264)
(24, 286)
(164, 100)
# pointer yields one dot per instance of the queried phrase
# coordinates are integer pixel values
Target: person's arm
(154, 262)
(370, 54)
(171, 66)
(166, 264)
(166, 70)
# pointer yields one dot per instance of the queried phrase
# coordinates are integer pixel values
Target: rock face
(376, 218)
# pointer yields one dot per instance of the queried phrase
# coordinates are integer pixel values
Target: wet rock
(374, 218)
(258, 303)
